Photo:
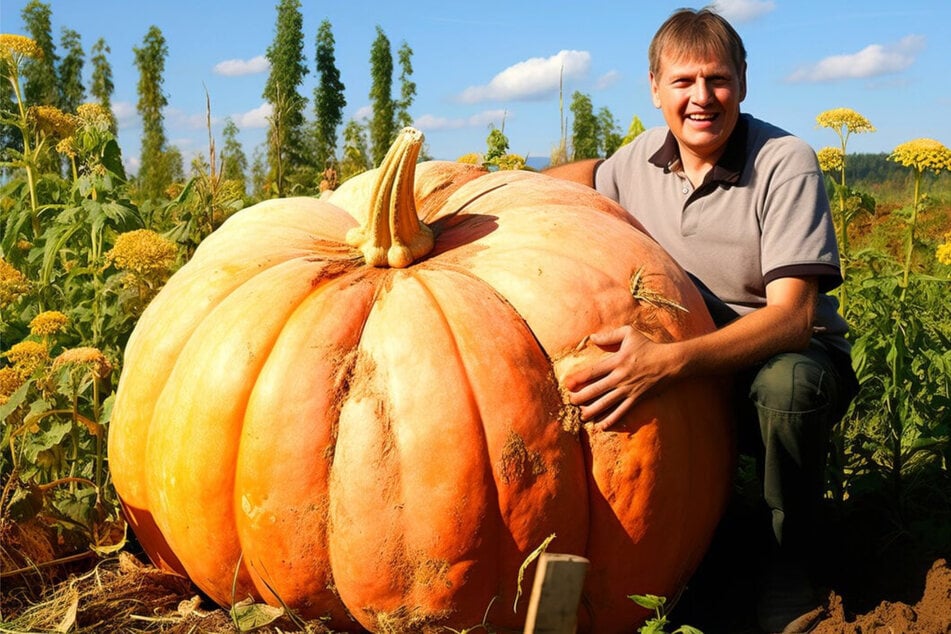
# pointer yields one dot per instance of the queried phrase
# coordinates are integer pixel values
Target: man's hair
(690, 33)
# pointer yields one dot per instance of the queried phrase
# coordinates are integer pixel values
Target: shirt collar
(727, 169)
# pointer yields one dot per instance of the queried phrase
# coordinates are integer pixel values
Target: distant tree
(329, 100)
(102, 86)
(259, 174)
(497, 145)
(407, 87)
(383, 121)
(39, 74)
(356, 156)
(72, 92)
(234, 162)
(585, 137)
(155, 172)
(609, 135)
(287, 150)
(633, 130)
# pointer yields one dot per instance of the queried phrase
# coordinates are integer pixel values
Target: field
(84, 253)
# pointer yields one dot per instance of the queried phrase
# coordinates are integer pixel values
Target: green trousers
(785, 409)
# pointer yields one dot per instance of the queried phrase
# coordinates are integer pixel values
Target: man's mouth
(700, 116)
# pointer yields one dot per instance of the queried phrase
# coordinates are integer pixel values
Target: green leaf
(649, 601)
(248, 615)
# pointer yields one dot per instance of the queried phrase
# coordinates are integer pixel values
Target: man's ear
(655, 96)
(743, 83)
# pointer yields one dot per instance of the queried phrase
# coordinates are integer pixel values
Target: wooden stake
(556, 593)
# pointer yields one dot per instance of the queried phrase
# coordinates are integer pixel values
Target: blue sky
(481, 66)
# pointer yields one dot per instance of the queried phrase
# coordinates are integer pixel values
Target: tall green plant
(844, 122)
(287, 153)
(329, 100)
(383, 122)
(901, 317)
(154, 175)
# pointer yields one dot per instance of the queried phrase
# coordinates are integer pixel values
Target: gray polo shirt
(762, 213)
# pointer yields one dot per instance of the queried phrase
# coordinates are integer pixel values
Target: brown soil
(875, 579)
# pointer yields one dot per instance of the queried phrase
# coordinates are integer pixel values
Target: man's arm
(576, 172)
(607, 389)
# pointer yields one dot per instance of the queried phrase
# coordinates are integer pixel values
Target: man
(741, 205)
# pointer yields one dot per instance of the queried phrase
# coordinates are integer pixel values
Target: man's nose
(701, 91)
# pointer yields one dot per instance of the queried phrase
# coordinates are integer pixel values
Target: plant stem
(393, 235)
(910, 246)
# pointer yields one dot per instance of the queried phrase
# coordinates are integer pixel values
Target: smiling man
(742, 207)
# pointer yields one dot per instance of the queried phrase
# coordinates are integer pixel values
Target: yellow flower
(830, 159)
(10, 382)
(923, 154)
(472, 158)
(839, 118)
(52, 120)
(94, 114)
(67, 147)
(511, 162)
(84, 357)
(13, 284)
(943, 253)
(18, 46)
(142, 251)
(48, 322)
(27, 356)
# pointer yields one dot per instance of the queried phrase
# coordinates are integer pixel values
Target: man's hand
(607, 389)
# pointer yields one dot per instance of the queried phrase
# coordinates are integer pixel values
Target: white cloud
(872, 61)
(364, 113)
(432, 123)
(607, 80)
(238, 67)
(742, 10)
(534, 78)
(257, 118)
(126, 114)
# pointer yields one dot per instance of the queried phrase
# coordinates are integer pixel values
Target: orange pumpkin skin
(386, 446)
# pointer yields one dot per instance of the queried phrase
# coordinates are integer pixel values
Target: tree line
(303, 142)
(299, 148)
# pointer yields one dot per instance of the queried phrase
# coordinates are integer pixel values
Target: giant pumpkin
(352, 406)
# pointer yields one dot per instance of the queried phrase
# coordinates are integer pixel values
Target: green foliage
(102, 86)
(288, 153)
(895, 442)
(585, 135)
(329, 100)
(79, 262)
(72, 92)
(155, 173)
(39, 75)
(383, 123)
(407, 86)
(659, 622)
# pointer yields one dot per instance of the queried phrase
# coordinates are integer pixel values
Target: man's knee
(793, 383)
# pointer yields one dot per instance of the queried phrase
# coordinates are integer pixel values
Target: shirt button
(686, 189)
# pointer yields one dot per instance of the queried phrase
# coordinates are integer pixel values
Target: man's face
(700, 100)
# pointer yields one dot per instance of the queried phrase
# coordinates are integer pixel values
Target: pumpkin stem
(393, 234)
